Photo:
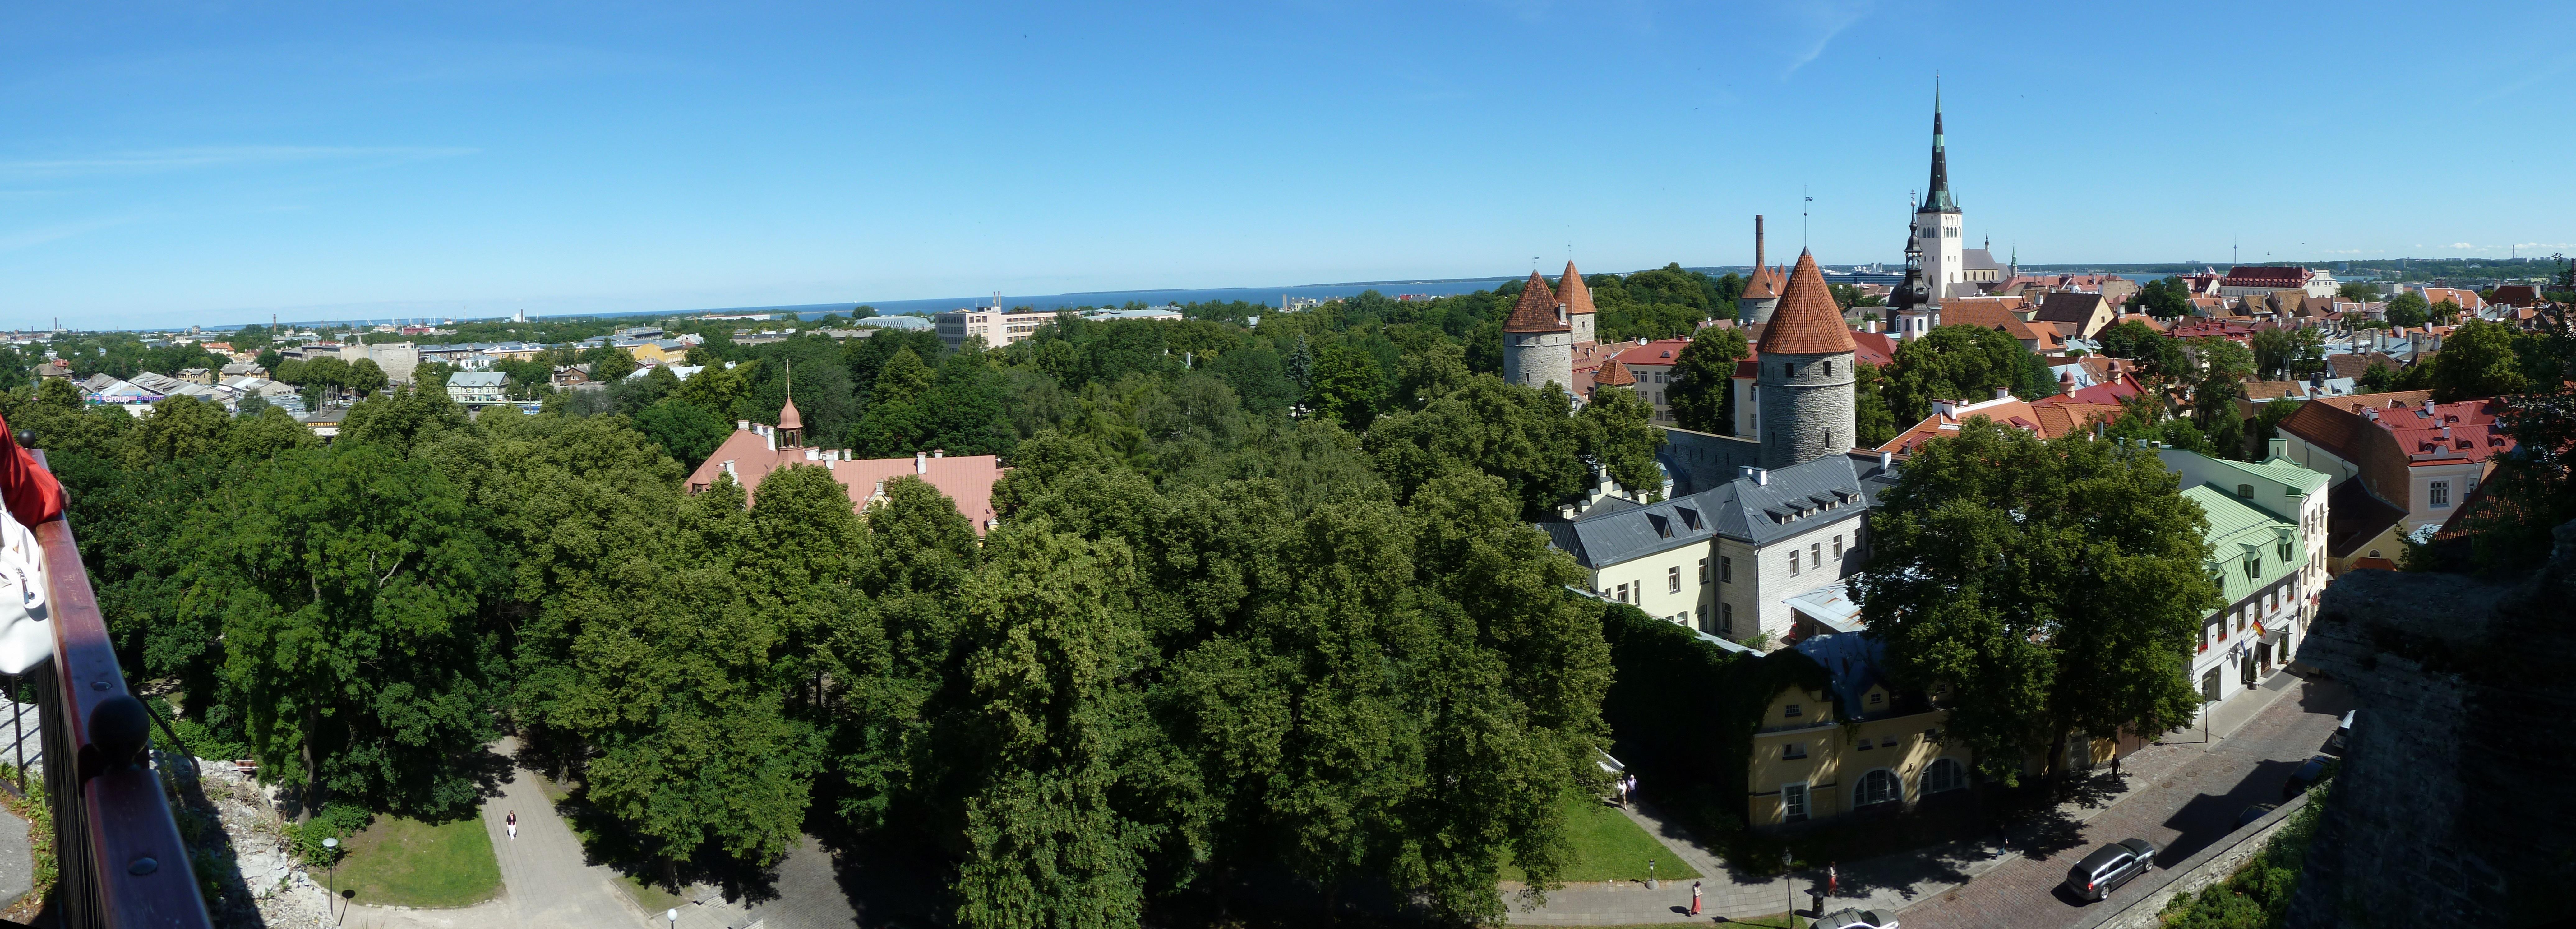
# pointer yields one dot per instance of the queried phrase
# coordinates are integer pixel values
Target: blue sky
(216, 163)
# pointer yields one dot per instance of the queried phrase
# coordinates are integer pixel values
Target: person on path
(1694, 898)
(1832, 881)
(512, 821)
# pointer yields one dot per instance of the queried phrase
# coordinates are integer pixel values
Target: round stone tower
(1538, 339)
(1805, 380)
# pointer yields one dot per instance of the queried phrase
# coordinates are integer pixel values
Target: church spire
(1936, 198)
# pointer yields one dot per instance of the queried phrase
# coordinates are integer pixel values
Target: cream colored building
(1845, 740)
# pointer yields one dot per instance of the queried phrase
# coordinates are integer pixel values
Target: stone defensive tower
(1538, 338)
(1805, 381)
(1570, 290)
(1761, 295)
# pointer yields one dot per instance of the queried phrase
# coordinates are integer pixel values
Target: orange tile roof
(1613, 374)
(2333, 424)
(1662, 353)
(1571, 290)
(2048, 418)
(1875, 348)
(1537, 310)
(1807, 322)
(1763, 285)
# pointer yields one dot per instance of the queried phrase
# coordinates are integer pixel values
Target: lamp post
(330, 877)
(1789, 884)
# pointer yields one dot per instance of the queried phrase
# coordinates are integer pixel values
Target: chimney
(920, 463)
(1945, 407)
(813, 454)
(1757, 243)
(2003, 393)
(938, 453)
(1886, 460)
(2279, 448)
(742, 425)
(1760, 476)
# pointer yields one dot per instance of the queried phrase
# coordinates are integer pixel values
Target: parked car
(2253, 813)
(2342, 736)
(2109, 867)
(2306, 776)
(1850, 918)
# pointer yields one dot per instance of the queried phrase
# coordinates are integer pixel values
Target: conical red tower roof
(1613, 374)
(1571, 290)
(1807, 322)
(1537, 310)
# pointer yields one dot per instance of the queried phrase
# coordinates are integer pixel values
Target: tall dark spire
(1937, 197)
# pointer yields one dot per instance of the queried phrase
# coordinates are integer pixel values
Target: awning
(1829, 607)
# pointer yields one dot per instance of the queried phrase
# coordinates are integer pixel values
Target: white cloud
(1828, 19)
(181, 159)
(2460, 245)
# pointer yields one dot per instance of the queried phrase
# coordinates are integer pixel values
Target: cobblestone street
(2186, 796)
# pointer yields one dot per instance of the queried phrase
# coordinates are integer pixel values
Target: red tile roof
(1537, 310)
(2446, 433)
(1764, 284)
(1571, 290)
(1807, 322)
(2330, 424)
(1874, 348)
(2521, 295)
(1612, 374)
(966, 479)
(1663, 353)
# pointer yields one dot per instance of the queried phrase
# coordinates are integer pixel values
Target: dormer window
(1792, 711)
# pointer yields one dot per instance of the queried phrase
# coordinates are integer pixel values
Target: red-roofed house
(2049, 418)
(754, 450)
(2462, 297)
(1652, 365)
(2260, 280)
(2525, 296)
(2418, 455)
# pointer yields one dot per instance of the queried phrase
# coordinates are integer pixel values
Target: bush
(336, 821)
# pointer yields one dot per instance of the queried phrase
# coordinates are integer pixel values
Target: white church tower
(1936, 224)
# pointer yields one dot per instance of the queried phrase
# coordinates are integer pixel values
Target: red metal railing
(122, 862)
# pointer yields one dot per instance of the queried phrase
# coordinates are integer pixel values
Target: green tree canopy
(2039, 589)
(1702, 395)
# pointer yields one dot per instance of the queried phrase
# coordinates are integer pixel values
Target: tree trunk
(312, 770)
(2056, 754)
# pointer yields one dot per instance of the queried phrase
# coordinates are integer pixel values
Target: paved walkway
(544, 884)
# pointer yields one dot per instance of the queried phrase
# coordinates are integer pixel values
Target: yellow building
(1843, 740)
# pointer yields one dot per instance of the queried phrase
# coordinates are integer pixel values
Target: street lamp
(1788, 882)
(330, 878)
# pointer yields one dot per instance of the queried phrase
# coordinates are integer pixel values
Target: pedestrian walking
(1833, 882)
(512, 821)
(1694, 898)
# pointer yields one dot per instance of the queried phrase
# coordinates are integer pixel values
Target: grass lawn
(1610, 847)
(406, 862)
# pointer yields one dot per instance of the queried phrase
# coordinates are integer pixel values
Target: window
(1877, 787)
(1944, 775)
(1703, 570)
(1623, 593)
(1876, 698)
(1887, 741)
(1793, 710)
(2438, 494)
(1793, 564)
(1794, 750)
(1816, 555)
(2284, 551)
(1726, 568)
(1703, 617)
(1864, 745)
(1789, 368)
(1829, 369)
(1793, 802)
(1673, 579)
(2245, 491)
(1726, 619)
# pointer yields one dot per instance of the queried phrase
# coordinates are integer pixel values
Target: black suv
(2306, 776)
(2108, 867)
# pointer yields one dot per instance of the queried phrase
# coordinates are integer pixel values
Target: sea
(1259, 296)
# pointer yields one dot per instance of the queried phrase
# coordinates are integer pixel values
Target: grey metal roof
(1792, 500)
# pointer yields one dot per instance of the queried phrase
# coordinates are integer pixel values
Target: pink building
(755, 449)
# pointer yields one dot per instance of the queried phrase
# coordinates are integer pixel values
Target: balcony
(122, 863)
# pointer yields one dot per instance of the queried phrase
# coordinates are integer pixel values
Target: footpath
(544, 880)
(1888, 883)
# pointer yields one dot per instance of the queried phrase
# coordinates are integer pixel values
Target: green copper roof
(2240, 535)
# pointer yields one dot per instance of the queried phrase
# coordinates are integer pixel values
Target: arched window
(1945, 774)
(1878, 787)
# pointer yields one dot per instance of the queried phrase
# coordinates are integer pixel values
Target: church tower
(1805, 379)
(1936, 221)
(1538, 338)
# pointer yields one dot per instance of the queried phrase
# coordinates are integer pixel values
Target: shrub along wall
(1683, 711)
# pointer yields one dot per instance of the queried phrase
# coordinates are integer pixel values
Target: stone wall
(2450, 808)
(2212, 865)
(1809, 415)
